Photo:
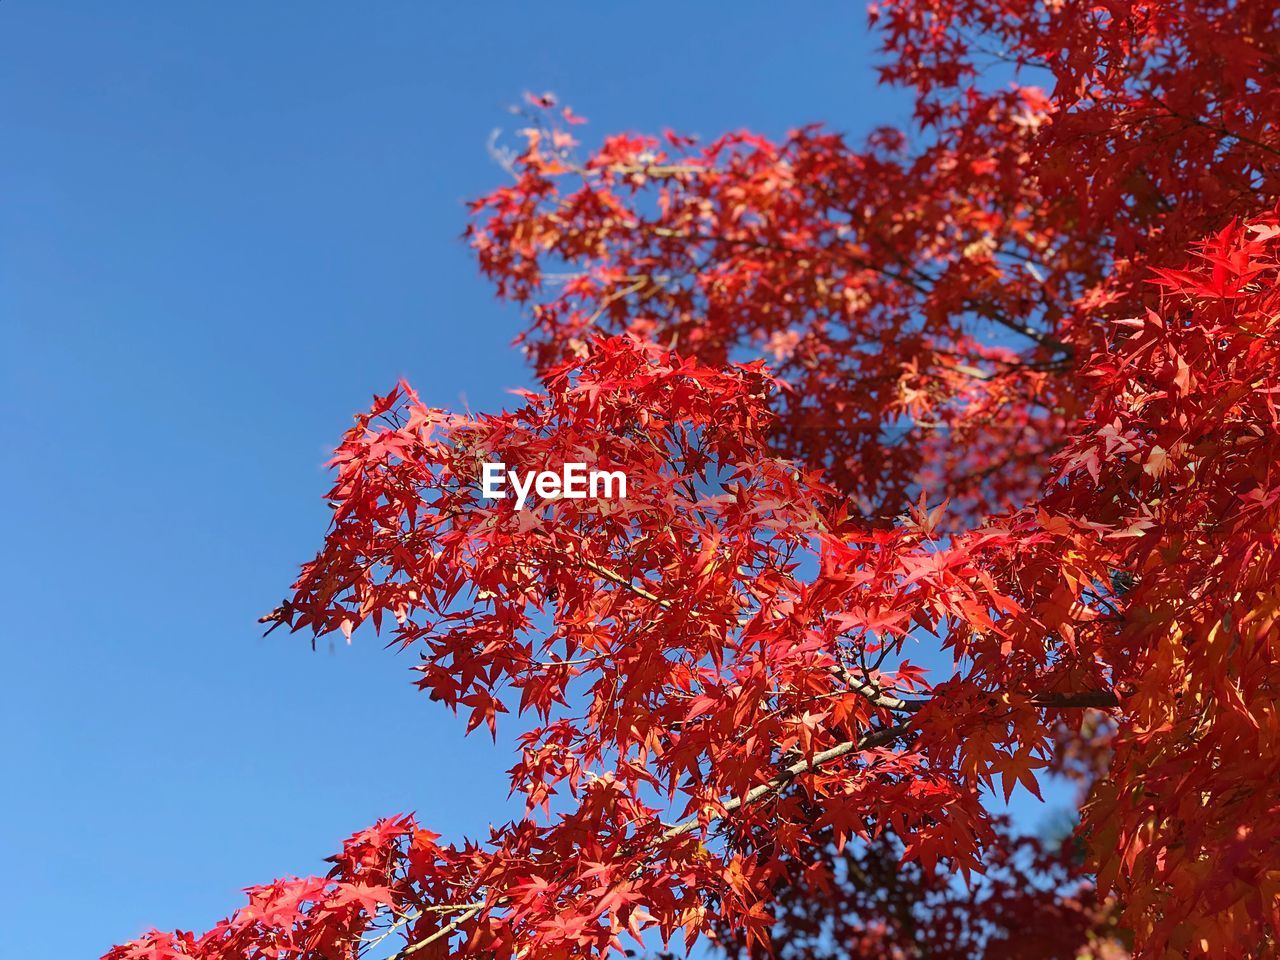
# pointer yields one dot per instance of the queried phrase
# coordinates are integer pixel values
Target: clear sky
(222, 227)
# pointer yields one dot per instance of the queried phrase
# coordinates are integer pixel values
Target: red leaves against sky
(1014, 407)
(847, 270)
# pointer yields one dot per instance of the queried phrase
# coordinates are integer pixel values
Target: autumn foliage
(1005, 388)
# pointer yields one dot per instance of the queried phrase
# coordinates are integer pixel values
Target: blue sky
(222, 227)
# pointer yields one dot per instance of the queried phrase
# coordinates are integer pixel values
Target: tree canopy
(1003, 384)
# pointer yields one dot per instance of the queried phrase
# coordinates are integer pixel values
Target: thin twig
(444, 931)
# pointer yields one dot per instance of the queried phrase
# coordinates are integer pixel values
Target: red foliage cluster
(1017, 408)
(870, 904)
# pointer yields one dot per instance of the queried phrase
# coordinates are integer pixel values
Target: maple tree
(1006, 389)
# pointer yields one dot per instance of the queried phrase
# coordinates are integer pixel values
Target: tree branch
(869, 742)
(444, 931)
(1099, 699)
